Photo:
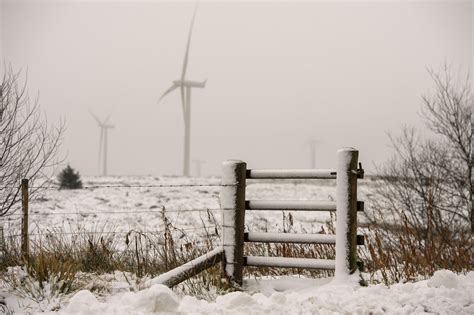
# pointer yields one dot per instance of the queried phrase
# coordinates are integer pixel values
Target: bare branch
(28, 145)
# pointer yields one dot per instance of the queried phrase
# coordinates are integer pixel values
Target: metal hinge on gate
(360, 171)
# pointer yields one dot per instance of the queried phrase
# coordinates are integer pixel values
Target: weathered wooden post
(25, 246)
(346, 212)
(232, 198)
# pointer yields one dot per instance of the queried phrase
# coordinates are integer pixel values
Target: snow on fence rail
(291, 174)
(295, 205)
(289, 238)
(286, 262)
(189, 269)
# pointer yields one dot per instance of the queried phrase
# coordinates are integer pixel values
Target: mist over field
(238, 157)
(278, 75)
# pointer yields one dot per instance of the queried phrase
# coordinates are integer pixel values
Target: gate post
(346, 212)
(232, 198)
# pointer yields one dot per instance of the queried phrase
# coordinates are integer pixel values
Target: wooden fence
(234, 205)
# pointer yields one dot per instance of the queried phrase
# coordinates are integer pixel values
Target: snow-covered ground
(444, 293)
(121, 209)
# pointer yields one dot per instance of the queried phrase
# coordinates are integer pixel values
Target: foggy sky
(278, 74)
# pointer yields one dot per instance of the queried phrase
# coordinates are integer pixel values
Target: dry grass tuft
(405, 251)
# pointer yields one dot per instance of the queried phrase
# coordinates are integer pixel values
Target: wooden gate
(234, 205)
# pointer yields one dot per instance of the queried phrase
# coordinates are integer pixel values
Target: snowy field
(121, 204)
(136, 203)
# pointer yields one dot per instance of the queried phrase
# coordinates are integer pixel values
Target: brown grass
(59, 262)
(61, 258)
(403, 252)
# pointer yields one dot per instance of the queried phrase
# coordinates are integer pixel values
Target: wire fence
(55, 187)
(204, 230)
(160, 208)
(164, 211)
(157, 232)
(46, 233)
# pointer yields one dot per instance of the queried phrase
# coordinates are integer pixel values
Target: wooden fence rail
(189, 269)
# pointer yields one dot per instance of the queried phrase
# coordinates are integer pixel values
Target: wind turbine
(312, 151)
(199, 164)
(185, 87)
(104, 127)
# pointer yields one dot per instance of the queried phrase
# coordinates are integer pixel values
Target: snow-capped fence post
(25, 248)
(232, 198)
(346, 212)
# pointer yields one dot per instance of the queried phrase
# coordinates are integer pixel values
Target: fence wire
(127, 186)
(211, 230)
(85, 233)
(164, 211)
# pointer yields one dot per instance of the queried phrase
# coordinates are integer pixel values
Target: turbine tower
(199, 164)
(185, 87)
(312, 152)
(104, 127)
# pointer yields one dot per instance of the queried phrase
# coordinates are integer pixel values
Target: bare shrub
(58, 258)
(421, 215)
(28, 145)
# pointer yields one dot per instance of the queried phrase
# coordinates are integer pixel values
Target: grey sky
(278, 73)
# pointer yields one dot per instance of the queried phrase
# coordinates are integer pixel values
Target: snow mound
(445, 293)
(83, 302)
(156, 299)
(445, 278)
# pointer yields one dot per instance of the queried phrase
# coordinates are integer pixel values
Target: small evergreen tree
(69, 179)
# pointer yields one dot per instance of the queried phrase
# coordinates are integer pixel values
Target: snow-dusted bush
(421, 215)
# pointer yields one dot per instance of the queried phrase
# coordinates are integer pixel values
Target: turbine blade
(95, 117)
(168, 91)
(186, 54)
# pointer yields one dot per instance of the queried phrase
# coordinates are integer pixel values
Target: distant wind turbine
(312, 152)
(199, 164)
(104, 127)
(185, 87)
